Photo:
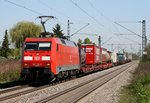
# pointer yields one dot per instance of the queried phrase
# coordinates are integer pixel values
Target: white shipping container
(114, 56)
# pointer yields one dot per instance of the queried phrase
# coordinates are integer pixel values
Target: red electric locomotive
(46, 58)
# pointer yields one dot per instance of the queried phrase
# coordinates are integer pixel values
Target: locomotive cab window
(31, 46)
(38, 46)
(44, 46)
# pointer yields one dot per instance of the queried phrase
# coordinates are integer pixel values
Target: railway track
(76, 93)
(20, 93)
(55, 96)
(13, 89)
(23, 92)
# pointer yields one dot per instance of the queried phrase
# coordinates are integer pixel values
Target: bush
(139, 89)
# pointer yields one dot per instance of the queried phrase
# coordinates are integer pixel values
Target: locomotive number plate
(36, 65)
(36, 58)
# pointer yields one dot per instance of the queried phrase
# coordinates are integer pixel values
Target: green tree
(87, 41)
(15, 53)
(5, 46)
(57, 31)
(22, 30)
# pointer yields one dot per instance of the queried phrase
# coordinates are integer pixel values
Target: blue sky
(100, 14)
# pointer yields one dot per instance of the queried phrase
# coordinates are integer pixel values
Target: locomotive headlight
(46, 58)
(28, 58)
(26, 65)
(47, 64)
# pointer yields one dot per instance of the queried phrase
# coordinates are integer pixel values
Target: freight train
(48, 59)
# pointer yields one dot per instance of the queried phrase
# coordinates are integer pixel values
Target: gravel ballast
(109, 92)
(41, 94)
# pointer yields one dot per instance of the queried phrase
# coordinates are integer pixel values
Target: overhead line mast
(144, 38)
(68, 31)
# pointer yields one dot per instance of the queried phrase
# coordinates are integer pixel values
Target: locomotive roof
(39, 39)
(57, 40)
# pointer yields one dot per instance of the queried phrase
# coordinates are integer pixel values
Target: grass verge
(9, 76)
(10, 79)
(139, 89)
(9, 73)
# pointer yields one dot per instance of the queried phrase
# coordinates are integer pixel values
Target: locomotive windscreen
(37, 46)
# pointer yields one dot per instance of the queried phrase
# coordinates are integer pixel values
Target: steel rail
(69, 99)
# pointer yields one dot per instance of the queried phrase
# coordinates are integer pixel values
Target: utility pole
(99, 44)
(68, 30)
(140, 49)
(144, 39)
(99, 41)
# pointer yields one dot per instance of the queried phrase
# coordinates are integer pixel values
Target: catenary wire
(24, 7)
